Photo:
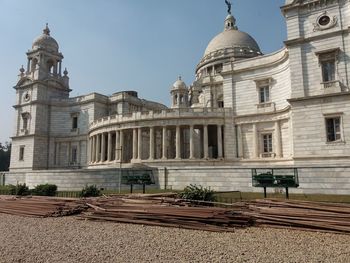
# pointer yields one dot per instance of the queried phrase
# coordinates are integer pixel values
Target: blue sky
(114, 45)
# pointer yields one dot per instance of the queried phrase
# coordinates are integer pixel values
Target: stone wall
(322, 180)
(312, 180)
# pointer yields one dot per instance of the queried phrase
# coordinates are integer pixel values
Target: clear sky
(114, 45)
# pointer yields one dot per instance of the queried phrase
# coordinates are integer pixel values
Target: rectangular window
(25, 122)
(209, 70)
(264, 94)
(328, 70)
(328, 62)
(267, 143)
(333, 129)
(220, 104)
(21, 153)
(74, 155)
(75, 122)
(218, 68)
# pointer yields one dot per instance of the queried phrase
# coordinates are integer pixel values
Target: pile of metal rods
(301, 215)
(40, 206)
(165, 210)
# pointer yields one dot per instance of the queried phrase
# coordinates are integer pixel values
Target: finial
(46, 31)
(228, 6)
(65, 72)
(21, 69)
(179, 77)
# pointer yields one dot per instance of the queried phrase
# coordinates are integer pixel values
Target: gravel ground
(71, 240)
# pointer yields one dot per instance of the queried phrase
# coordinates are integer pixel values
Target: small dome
(179, 84)
(45, 41)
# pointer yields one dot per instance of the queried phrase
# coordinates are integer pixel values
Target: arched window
(34, 63)
(50, 66)
(25, 120)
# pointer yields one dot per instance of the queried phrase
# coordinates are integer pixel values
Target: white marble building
(244, 109)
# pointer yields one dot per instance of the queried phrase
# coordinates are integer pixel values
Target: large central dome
(232, 38)
(231, 43)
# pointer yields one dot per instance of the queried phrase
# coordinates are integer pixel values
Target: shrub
(194, 192)
(90, 191)
(45, 190)
(19, 189)
(5, 190)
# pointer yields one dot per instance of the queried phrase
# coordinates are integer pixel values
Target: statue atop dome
(228, 6)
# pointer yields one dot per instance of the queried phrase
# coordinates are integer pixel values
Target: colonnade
(175, 142)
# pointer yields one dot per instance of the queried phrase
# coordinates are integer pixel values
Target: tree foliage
(5, 153)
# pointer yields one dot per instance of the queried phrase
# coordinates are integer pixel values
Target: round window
(27, 97)
(324, 20)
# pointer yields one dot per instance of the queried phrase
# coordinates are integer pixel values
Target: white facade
(243, 110)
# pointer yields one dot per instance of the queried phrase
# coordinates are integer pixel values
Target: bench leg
(287, 193)
(265, 195)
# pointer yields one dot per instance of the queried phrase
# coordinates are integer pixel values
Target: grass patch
(231, 197)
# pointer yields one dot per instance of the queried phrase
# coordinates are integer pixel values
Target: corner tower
(38, 85)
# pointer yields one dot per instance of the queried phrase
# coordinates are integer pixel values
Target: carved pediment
(24, 81)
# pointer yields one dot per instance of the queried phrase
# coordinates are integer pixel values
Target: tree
(5, 153)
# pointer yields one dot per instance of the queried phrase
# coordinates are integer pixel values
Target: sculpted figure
(228, 6)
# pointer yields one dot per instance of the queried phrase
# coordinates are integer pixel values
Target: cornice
(283, 56)
(319, 96)
(311, 4)
(263, 117)
(302, 40)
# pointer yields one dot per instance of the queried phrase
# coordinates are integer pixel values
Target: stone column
(255, 141)
(60, 67)
(98, 144)
(88, 150)
(164, 142)
(239, 141)
(58, 150)
(28, 64)
(139, 144)
(121, 145)
(278, 143)
(219, 135)
(103, 147)
(151, 143)
(93, 150)
(78, 153)
(109, 147)
(178, 143)
(191, 142)
(205, 141)
(117, 146)
(134, 144)
(69, 153)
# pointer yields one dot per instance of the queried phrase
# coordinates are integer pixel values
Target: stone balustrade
(193, 113)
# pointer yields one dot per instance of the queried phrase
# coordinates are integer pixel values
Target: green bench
(138, 179)
(275, 177)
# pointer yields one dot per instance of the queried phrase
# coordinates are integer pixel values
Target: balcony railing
(162, 114)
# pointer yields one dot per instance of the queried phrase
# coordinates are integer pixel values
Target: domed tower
(37, 86)
(45, 61)
(179, 94)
